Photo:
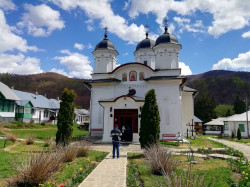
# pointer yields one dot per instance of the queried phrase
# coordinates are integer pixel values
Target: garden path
(239, 146)
(110, 172)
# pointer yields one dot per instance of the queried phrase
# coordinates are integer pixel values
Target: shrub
(69, 153)
(83, 149)
(160, 159)
(35, 169)
(233, 135)
(30, 139)
(239, 134)
(49, 142)
(11, 137)
(43, 124)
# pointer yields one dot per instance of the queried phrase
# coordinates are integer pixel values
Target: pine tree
(65, 118)
(239, 134)
(239, 106)
(150, 120)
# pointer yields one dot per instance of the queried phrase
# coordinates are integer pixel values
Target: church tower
(105, 55)
(144, 52)
(167, 50)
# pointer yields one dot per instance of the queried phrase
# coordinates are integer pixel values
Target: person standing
(115, 134)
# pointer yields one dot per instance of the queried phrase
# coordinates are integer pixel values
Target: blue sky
(60, 35)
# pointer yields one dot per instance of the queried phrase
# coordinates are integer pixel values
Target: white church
(118, 93)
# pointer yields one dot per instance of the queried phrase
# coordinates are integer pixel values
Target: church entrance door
(127, 121)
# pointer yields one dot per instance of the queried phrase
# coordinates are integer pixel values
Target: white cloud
(185, 69)
(77, 64)
(19, 64)
(101, 9)
(79, 46)
(60, 71)
(246, 34)
(7, 5)
(41, 20)
(227, 15)
(9, 41)
(242, 62)
(185, 24)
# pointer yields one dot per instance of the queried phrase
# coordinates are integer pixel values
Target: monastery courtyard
(112, 172)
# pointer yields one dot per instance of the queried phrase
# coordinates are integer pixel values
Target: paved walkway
(239, 146)
(110, 172)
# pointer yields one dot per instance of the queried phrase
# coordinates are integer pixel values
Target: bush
(11, 137)
(43, 124)
(30, 139)
(233, 135)
(69, 153)
(83, 149)
(35, 169)
(239, 134)
(160, 159)
(49, 142)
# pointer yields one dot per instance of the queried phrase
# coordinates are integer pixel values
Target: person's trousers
(116, 147)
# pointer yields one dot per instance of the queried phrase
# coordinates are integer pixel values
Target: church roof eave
(131, 63)
(135, 98)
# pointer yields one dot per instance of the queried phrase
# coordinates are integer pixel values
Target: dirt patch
(8, 149)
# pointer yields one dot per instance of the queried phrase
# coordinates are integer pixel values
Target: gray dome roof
(105, 44)
(166, 38)
(146, 43)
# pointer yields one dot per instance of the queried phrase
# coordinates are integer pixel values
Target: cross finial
(106, 32)
(146, 29)
(166, 24)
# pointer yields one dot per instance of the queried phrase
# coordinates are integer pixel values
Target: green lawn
(44, 133)
(1, 133)
(68, 170)
(8, 143)
(22, 125)
(199, 142)
(215, 171)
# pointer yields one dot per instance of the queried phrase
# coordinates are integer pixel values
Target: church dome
(166, 38)
(146, 43)
(105, 44)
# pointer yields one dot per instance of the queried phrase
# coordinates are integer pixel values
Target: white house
(40, 109)
(232, 123)
(81, 116)
(118, 93)
(215, 126)
(7, 103)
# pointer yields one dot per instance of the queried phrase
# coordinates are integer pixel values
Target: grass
(44, 133)
(245, 140)
(215, 170)
(28, 148)
(67, 170)
(18, 125)
(1, 133)
(2, 141)
(199, 142)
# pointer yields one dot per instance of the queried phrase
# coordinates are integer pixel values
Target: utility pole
(247, 116)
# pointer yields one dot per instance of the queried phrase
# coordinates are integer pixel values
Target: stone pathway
(239, 146)
(110, 172)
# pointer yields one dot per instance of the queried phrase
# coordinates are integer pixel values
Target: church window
(145, 63)
(141, 76)
(132, 76)
(124, 77)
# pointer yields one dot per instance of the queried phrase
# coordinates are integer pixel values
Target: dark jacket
(115, 133)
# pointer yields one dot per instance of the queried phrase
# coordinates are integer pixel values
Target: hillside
(224, 86)
(49, 84)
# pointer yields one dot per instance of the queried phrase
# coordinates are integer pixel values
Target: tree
(239, 106)
(65, 117)
(204, 108)
(239, 134)
(150, 120)
(224, 110)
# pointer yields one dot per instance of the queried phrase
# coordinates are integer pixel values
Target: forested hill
(49, 84)
(223, 85)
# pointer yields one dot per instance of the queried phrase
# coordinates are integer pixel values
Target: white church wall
(187, 111)
(146, 56)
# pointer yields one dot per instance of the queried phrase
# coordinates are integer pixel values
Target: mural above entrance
(124, 77)
(141, 76)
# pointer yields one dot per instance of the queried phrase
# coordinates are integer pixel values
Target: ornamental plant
(65, 118)
(150, 121)
(239, 134)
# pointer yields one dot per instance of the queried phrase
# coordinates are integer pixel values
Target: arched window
(124, 77)
(132, 76)
(141, 76)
